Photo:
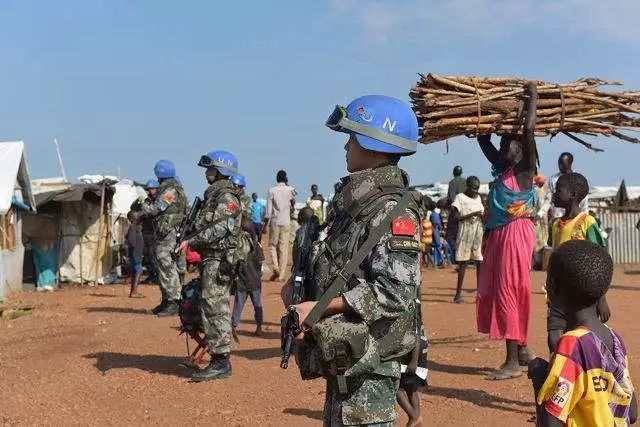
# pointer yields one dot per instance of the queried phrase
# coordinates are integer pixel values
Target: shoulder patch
(403, 227)
(404, 244)
(232, 206)
(169, 198)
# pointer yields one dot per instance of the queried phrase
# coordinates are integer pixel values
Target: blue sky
(122, 83)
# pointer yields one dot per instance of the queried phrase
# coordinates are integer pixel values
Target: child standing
(467, 210)
(249, 281)
(407, 396)
(588, 383)
(135, 249)
(575, 224)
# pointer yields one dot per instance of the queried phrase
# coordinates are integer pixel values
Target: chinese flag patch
(231, 206)
(403, 227)
(169, 198)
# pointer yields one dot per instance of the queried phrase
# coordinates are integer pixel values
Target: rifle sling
(344, 275)
(211, 224)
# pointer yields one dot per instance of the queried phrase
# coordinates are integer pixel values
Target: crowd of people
(364, 334)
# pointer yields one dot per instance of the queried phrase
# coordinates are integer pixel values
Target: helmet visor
(209, 163)
(339, 122)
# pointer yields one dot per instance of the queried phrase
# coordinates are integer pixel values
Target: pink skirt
(503, 304)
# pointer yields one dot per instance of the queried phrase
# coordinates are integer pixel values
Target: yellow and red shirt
(587, 384)
(582, 227)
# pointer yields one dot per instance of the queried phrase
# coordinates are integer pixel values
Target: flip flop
(136, 296)
(458, 300)
(503, 374)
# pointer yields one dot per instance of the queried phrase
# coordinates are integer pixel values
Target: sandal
(503, 374)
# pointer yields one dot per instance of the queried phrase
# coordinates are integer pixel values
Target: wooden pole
(81, 238)
(100, 222)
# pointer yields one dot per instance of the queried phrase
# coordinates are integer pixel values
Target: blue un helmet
(164, 169)
(222, 161)
(239, 180)
(380, 123)
(152, 183)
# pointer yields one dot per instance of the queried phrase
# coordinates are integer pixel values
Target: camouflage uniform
(219, 221)
(382, 292)
(167, 211)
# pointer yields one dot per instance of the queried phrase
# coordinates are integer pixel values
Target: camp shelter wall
(83, 241)
(11, 251)
(15, 197)
(623, 241)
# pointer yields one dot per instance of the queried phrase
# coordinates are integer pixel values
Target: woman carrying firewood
(503, 301)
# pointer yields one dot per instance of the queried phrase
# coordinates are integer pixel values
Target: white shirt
(279, 204)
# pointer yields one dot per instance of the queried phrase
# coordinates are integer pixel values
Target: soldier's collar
(360, 185)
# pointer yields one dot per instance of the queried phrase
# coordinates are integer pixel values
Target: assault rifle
(303, 290)
(187, 222)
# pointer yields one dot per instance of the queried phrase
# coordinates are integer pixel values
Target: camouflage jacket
(168, 208)
(218, 222)
(383, 290)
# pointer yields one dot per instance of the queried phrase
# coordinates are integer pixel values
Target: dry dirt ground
(92, 356)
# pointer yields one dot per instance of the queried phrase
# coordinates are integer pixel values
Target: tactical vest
(170, 218)
(347, 233)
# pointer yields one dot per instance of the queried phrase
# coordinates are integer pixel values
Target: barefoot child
(588, 382)
(467, 211)
(575, 224)
(407, 395)
(135, 248)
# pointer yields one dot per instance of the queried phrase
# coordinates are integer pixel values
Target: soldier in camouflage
(240, 181)
(218, 242)
(167, 211)
(380, 296)
(147, 231)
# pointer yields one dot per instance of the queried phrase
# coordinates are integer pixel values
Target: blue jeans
(238, 305)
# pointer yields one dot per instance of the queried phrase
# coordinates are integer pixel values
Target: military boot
(157, 309)
(220, 367)
(171, 309)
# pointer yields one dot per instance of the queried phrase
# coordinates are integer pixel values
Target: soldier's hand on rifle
(182, 247)
(303, 309)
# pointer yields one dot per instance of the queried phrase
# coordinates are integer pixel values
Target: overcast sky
(123, 84)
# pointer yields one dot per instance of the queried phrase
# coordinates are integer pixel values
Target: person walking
(257, 215)
(280, 201)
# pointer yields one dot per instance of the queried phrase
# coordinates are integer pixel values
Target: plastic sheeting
(126, 193)
(13, 169)
(45, 261)
(79, 237)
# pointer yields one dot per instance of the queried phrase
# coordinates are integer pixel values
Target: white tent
(15, 195)
(14, 173)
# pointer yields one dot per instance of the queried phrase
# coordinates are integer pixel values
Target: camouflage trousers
(215, 307)
(370, 400)
(170, 285)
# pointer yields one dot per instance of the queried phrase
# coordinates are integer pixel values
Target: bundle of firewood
(465, 105)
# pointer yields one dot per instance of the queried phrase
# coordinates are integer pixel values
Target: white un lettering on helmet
(389, 124)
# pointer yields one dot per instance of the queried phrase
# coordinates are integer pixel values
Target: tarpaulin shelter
(73, 219)
(83, 222)
(16, 197)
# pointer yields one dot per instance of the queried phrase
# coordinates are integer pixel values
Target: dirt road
(92, 356)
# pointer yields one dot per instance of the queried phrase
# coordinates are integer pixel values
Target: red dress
(503, 304)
